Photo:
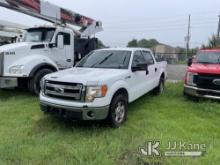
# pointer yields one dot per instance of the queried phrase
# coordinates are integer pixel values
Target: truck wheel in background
(34, 82)
(118, 111)
(191, 98)
(161, 87)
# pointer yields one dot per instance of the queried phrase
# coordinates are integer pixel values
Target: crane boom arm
(52, 13)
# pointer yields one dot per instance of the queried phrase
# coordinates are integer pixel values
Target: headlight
(16, 69)
(190, 78)
(93, 92)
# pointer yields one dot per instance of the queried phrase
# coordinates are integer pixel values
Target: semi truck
(45, 49)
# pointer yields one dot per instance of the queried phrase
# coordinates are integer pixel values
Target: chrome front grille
(1, 64)
(62, 90)
(205, 81)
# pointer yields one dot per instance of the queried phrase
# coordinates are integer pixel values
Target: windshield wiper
(105, 59)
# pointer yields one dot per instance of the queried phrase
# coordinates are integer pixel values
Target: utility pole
(218, 32)
(187, 39)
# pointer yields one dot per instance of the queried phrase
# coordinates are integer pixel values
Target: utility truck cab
(45, 49)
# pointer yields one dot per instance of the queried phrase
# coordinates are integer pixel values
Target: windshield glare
(106, 59)
(208, 57)
(39, 35)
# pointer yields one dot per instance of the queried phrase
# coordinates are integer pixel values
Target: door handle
(128, 77)
(68, 60)
(155, 69)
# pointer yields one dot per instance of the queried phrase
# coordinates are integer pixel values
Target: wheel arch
(162, 75)
(42, 66)
(123, 91)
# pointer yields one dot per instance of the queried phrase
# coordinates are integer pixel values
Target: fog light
(91, 114)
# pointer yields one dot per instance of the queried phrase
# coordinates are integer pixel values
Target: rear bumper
(8, 82)
(75, 113)
(202, 93)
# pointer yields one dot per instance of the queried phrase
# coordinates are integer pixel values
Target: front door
(61, 55)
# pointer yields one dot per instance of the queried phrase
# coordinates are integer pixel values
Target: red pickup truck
(203, 75)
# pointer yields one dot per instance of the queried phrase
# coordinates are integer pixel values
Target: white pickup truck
(102, 84)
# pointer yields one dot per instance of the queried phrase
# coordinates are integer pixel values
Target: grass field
(29, 137)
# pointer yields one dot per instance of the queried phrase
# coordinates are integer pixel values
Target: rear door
(153, 69)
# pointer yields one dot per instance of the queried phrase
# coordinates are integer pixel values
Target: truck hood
(15, 47)
(205, 68)
(87, 76)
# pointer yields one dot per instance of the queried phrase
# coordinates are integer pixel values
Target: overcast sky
(123, 20)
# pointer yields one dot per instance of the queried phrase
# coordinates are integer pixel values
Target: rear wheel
(118, 111)
(161, 87)
(34, 82)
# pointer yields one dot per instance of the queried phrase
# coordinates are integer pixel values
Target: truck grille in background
(1, 64)
(61, 90)
(205, 81)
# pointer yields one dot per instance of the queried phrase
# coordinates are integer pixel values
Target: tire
(34, 82)
(118, 111)
(161, 87)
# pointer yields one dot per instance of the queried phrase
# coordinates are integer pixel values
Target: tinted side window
(148, 57)
(138, 58)
(66, 38)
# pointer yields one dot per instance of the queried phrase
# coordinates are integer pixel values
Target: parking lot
(176, 72)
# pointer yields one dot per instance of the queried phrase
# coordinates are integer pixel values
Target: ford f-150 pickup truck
(102, 84)
(203, 75)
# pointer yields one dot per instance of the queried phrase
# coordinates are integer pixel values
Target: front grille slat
(61, 90)
(205, 81)
(1, 64)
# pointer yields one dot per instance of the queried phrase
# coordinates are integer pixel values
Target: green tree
(133, 43)
(212, 43)
(144, 43)
(101, 45)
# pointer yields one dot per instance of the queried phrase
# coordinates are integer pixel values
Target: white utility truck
(45, 49)
(102, 84)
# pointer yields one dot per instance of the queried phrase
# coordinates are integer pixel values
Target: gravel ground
(176, 72)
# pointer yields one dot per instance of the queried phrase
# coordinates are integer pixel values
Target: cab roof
(127, 49)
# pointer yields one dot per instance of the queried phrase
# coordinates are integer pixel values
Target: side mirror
(140, 67)
(60, 41)
(52, 45)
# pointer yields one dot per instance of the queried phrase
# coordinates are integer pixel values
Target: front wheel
(118, 111)
(161, 87)
(34, 82)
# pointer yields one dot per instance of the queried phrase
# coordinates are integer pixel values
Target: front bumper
(75, 113)
(202, 93)
(8, 82)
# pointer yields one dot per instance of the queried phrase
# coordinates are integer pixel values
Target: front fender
(115, 87)
(30, 62)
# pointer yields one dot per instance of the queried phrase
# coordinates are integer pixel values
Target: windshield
(110, 59)
(208, 57)
(39, 35)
